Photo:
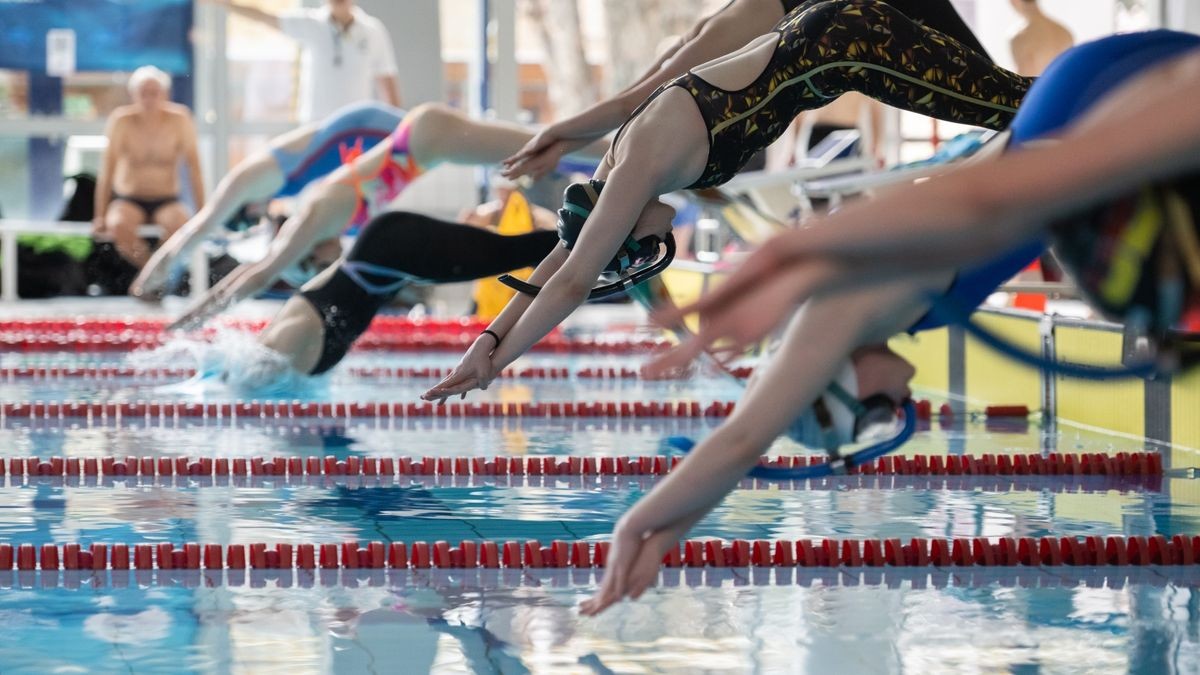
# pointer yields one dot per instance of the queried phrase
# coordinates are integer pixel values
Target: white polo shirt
(337, 67)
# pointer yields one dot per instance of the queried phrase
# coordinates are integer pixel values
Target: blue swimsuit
(1075, 82)
(350, 131)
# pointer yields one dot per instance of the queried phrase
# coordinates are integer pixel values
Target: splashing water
(233, 360)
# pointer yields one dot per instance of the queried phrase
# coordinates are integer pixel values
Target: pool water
(700, 620)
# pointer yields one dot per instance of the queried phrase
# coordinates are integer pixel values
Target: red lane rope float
(396, 342)
(1091, 551)
(1086, 464)
(157, 324)
(141, 409)
(1007, 484)
(372, 409)
(121, 371)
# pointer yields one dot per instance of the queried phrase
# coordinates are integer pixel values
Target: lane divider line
(103, 372)
(1056, 464)
(345, 409)
(142, 409)
(1061, 484)
(1090, 551)
(388, 342)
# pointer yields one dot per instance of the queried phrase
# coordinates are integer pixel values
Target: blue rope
(951, 312)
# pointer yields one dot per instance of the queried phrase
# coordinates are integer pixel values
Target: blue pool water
(728, 621)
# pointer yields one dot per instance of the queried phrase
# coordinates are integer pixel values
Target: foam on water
(234, 361)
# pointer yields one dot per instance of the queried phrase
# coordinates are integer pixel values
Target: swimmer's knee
(330, 199)
(432, 117)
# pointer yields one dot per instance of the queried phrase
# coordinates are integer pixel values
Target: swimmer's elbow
(576, 288)
(742, 444)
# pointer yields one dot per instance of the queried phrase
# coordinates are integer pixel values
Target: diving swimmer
(1121, 210)
(291, 163)
(699, 129)
(318, 325)
(308, 241)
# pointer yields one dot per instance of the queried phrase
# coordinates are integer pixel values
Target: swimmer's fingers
(622, 555)
(674, 359)
(455, 384)
(534, 166)
(212, 304)
(534, 147)
(757, 269)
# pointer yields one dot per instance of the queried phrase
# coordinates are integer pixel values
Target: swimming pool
(732, 619)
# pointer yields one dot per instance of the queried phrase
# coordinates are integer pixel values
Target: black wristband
(493, 334)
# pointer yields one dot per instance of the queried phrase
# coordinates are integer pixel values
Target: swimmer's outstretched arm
(437, 134)
(648, 163)
(319, 218)
(254, 179)
(964, 215)
(725, 31)
(818, 340)
(566, 278)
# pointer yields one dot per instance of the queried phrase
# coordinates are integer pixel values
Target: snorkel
(578, 201)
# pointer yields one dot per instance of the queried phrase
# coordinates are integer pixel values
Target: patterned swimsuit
(375, 191)
(826, 49)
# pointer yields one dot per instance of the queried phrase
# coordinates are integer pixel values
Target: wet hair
(148, 73)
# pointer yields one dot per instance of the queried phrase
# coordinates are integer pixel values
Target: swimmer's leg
(438, 133)
(870, 47)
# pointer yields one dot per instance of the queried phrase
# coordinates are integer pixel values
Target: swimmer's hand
(243, 282)
(540, 155)
(632, 566)
(208, 307)
(218, 298)
(474, 371)
(151, 283)
(747, 307)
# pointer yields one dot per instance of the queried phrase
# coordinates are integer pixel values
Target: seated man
(139, 177)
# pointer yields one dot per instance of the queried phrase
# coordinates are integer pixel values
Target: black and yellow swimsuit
(828, 48)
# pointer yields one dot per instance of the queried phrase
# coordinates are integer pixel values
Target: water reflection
(513, 621)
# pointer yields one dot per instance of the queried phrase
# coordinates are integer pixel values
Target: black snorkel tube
(619, 286)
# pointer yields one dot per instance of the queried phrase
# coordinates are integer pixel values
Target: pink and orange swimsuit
(398, 171)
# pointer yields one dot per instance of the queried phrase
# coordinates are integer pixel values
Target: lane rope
(1055, 464)
(336, 410)
(26, 342)
(1091, 551)
(134, 410)
(1061, 484)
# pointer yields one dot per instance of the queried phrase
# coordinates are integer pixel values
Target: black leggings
(399, 248)
(939, 15)
(826, 48)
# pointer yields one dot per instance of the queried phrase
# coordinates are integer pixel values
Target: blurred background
(524, 60)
